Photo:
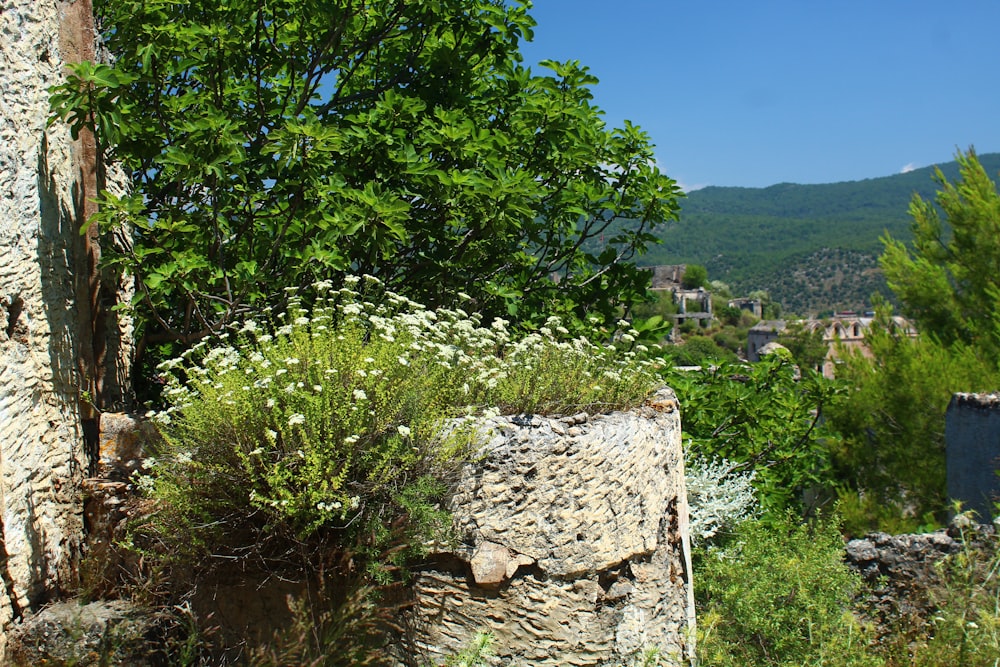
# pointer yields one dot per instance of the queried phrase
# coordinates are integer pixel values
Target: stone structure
(904, 576)
(702, 299)
(761, 334)
(843, 331)
(667, 276)
(574, 544)
(753, 306)
(55, 344)
(573, 549)
(972, 442)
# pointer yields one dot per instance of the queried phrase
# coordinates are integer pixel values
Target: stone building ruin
(841, 332)
(693, 304)
(972, 452)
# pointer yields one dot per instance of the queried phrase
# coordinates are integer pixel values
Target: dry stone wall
(41, 441)
(574, 545)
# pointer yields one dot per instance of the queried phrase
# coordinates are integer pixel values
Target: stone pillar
(574, 545)
(46, 182)
(972, 442)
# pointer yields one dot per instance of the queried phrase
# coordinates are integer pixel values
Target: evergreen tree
(949, 283)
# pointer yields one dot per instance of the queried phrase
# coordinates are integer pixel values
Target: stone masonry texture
(972, 440)
(41, 457)
(574, 546)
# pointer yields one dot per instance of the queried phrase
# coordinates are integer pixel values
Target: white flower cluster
(280, 375)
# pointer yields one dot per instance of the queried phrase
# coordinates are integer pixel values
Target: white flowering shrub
(330, 421)
(719, 497)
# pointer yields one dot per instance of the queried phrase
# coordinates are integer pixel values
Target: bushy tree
(949, 282)
(762, 417)
(271, 144)
(695, 276)
(890, 460)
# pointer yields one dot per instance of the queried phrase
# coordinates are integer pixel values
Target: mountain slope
(812, 247)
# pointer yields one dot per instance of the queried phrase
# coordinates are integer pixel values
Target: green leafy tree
(949, 283)
(695, 276)
(806, 345)
(763, 417)
(271, 144)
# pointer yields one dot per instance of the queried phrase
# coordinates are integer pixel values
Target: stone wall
(43, 193)
(905, 578)
(972, 439)
(574, 545)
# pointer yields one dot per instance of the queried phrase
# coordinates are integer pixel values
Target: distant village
(844, 331)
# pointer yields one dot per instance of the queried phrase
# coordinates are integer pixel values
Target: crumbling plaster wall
(43, 176)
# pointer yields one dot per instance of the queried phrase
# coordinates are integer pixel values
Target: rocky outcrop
(46, 378)
(574, 546)
(111, 632)
(904, 575)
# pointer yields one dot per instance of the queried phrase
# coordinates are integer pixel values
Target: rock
(575, 544)
(902, 572)
(98, 633)
(124, 442)
(492, 564)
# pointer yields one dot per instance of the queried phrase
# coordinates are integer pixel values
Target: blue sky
(753, 93)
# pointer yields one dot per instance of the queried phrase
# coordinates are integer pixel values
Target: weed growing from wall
(331, 422)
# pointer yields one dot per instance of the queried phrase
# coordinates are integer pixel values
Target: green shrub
(331, 424)
(729, 339)
(720, 496)
(965, 629)
(701, 351)
(779, 594)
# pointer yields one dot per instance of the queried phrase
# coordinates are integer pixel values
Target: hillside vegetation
(814, 248)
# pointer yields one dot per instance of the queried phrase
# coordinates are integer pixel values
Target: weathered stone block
(574, 544)
(42, 388)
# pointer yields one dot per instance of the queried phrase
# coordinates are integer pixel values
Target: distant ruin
(693, 304)
(841, 332)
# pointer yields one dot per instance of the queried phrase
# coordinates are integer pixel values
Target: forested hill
(813, 247)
